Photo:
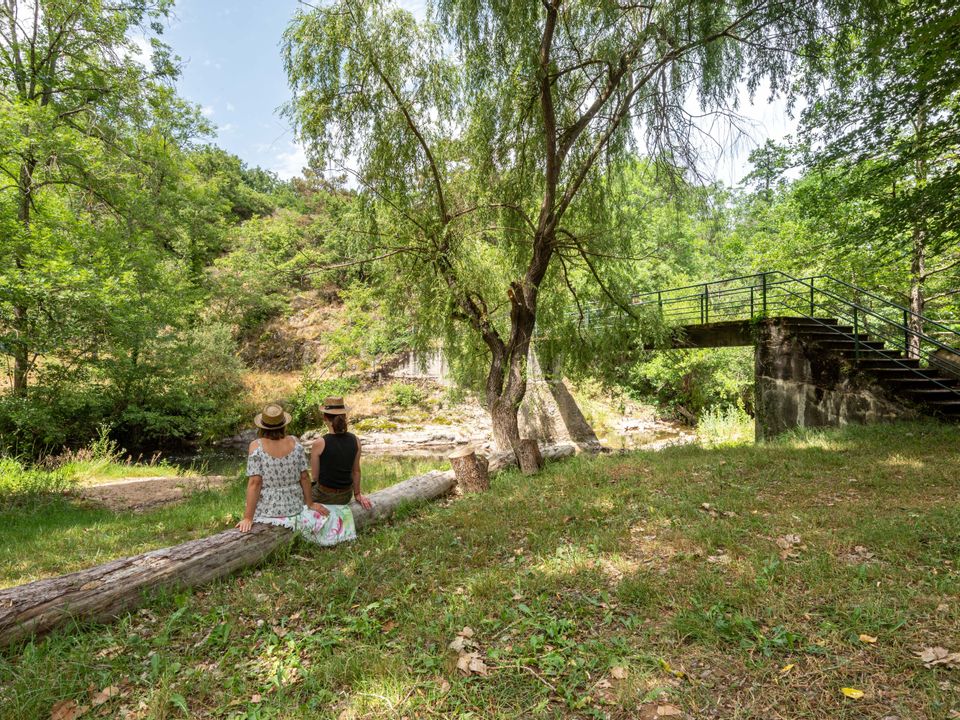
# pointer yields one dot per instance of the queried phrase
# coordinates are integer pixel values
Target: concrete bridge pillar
(797, 385)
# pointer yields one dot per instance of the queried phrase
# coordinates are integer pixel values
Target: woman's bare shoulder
(253, 447)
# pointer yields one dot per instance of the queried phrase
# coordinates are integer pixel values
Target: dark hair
(338, 422)
(273, 433)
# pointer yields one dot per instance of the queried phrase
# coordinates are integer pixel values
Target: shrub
(374, 424)
(180, 386)
(730, 425)
(695, 379)
(305, 405)
(404, 396)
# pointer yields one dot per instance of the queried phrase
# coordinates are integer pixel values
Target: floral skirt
(337, 527)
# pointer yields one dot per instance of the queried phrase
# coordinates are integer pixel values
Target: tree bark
(918, 259)
(502, 460)
(471, 470)
(529, 457)
(103, 592)
(21, 325)
(917, 302)
(505, 425)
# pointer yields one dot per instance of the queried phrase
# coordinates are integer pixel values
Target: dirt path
(139, 494)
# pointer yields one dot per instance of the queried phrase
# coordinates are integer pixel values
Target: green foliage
(696, 379)
(21, 484)
(374, 424)
(305, 407)
(179, 386)
(403, 396)
(725, 425)
(373, 331)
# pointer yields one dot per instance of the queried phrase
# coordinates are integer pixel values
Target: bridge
(827, 352)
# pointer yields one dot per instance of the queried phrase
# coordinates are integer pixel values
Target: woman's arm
(253, 496)
(308, 494)
(316, 450)
(360, 497)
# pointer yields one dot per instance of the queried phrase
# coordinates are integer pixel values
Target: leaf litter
(469, 659)
(932, 657)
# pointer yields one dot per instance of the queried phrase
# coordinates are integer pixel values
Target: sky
(232, 69)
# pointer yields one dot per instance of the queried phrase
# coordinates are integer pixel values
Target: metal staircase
(908, 354)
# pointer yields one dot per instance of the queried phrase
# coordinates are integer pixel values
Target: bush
(182, 386)
(51, 417)
(374, 425)
(186, 387)
(696, 379)
(720, 426)
(404, 396)
(305, 405)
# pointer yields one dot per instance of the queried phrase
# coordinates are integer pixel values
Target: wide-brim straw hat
(273, 417)
(334, 406)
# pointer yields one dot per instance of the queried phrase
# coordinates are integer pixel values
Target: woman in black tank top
(335, 459)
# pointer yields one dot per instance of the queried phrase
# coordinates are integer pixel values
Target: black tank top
(336, 460)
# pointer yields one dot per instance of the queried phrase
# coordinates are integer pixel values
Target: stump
(529, 457)
(470, 469)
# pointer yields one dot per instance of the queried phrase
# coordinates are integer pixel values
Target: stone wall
(801, 386)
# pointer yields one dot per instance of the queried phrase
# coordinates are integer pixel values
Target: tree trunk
(21, 351)
(529, 457)
(502, 460)
(21, 347)
(917, 302)
(471, 470)
(105, 591)
(505, 426)
(918, 260)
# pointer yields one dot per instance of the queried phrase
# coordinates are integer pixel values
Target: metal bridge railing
(907, 336)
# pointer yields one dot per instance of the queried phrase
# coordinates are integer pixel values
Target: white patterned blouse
(281, 494)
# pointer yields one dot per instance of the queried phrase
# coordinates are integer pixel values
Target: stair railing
(773, 293)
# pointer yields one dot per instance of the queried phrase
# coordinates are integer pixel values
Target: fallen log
(105, 591)
(502, 460)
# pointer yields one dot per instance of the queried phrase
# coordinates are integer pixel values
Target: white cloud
(290, 163)
(207, 111)
(417, 7)
(229, 127)
(141, 51)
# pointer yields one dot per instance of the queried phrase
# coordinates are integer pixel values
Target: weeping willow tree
(487, 140)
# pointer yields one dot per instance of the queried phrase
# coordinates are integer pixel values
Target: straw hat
(272, 418)
(334, 406)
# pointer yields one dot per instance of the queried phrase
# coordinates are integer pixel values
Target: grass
(720, 426)
(605, 587)
(45, 533)
(102, 461)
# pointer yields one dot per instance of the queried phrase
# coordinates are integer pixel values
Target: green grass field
(733, 582)
(46, 532)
